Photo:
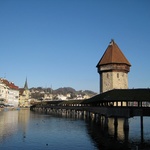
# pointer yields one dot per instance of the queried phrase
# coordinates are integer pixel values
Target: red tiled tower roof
(113, 55)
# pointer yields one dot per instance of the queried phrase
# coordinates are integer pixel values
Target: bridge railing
(82, 103)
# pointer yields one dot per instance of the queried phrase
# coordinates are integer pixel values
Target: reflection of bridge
(122, 103)
(100, 108)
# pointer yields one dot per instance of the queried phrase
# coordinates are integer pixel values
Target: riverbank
(12, 108)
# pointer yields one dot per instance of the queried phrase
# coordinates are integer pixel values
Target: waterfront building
(9, 93)
(13, 96)
(24, 96)
(113, 68)
(3, 93)
(61, 97)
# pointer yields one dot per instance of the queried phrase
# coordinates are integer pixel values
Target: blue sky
(58, 43)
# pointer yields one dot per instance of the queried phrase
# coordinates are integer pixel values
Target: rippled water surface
(25, 129)
(28, 130)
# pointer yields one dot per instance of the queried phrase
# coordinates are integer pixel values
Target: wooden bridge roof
(121, 95)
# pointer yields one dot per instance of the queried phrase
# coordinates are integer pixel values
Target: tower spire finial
(112, 42)
(26, 85)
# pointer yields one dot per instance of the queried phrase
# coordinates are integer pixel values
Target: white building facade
(3, 93)
(9, 93)
(13, 97)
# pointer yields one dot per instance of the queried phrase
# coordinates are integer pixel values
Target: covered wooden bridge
(117, 102)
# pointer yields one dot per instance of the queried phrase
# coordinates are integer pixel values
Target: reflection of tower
(23, 119)
(116, 128)
(27, 93)
(113, 68)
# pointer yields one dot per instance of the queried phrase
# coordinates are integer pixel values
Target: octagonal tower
(113, 68)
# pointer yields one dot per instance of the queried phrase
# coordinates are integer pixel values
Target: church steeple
(26, 85)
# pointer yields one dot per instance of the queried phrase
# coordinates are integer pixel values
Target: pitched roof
(21, 90)
(121, 95)
(112, 55)
(11, 85)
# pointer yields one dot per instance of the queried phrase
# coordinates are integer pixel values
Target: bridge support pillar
(106, 122)
(94, 117)
(142, 136)
(115, 127)
(91, 115)
(82, 114)
(87, 115)
(98, 118)
(115, 121)
(126, 124)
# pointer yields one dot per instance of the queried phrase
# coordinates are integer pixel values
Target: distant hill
(63, 91)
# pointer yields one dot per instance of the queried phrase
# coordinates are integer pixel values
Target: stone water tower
(113, 68)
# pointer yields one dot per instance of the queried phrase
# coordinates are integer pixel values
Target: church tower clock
(113, 68)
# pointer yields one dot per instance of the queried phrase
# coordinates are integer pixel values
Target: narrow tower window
(117, 75)
(107, 75)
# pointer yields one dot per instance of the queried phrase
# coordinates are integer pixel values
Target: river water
(24, 129)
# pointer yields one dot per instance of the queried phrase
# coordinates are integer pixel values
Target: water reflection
(118, 130)
(108, 138)
(24, 129)
(28, 130)
(23, 120)
(117, 137)
(11, 122)
(121, 133)
(8, 124)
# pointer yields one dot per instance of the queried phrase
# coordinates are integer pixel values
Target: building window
(107, 75)
(117, 75)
